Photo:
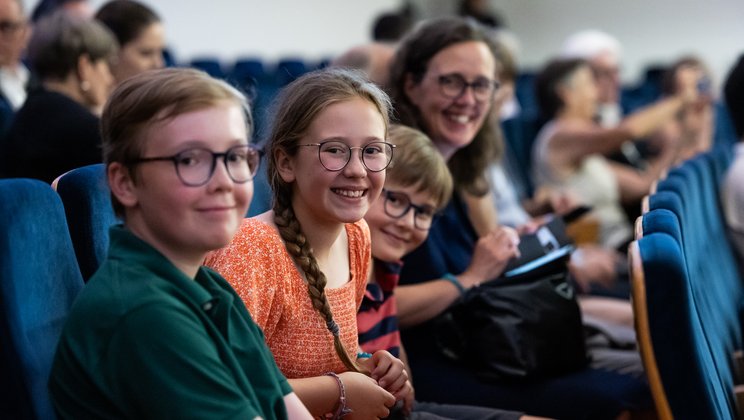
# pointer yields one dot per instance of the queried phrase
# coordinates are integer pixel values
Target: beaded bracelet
(363, 355)
(452, 279)
(341, 409)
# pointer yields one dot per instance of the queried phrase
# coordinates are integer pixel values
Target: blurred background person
(732, 191)
(140, 33)
(14, 34)
(692, 127)
(373, 59)
(603, 53)
(57, 129)
(45, 8)
(570, 149)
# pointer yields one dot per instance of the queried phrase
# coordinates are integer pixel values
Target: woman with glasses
(154, 334)
(443, 81)
(302, 267)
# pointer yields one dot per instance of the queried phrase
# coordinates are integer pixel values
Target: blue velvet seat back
(689, 372)
(87, 201)
(39, 279)
(686, 211)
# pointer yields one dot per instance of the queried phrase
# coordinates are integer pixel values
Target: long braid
(299, 248)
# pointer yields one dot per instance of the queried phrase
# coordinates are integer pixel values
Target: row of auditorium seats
(253, 71)
(688, 293)
(40, 279)
(50, 244)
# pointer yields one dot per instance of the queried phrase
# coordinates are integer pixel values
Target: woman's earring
(84, 85)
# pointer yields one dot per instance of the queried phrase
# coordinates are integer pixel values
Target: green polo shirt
(143, 340)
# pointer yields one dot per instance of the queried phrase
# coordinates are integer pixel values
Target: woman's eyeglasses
(454, 85)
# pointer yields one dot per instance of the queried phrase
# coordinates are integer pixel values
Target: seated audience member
(14, 37)
(569, 151)
(154, 334)
(140, 34)
(732, 192)
(443, 81)
(14, 76)
(692, 127)
(57, 128)
(417, 185)
(390, 27)
(603, 53)
(301, 268)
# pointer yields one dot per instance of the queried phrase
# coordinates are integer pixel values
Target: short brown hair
(152, 97)
(417, 163)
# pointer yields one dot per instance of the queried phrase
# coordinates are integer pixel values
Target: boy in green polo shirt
(154, 334)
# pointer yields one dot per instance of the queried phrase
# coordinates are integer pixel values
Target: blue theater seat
(685, 378)
(210, 65)
(40, 279)
(261, 201)
(87, 201)
(289, 69)
(691, 292)
(247, 74)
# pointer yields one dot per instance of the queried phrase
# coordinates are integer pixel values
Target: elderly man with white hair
(603, 52)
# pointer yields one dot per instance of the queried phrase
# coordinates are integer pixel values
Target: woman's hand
(492, 253)
(365, 398)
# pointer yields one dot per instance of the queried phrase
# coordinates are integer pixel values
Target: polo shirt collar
(125, 246)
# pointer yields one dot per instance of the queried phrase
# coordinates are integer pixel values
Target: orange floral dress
(260, 269)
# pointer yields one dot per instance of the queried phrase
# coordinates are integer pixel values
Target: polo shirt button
(207, 306)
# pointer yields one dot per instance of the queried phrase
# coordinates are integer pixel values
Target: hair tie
(333, 327)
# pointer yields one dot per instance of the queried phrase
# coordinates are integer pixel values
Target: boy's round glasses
(196, 166)
(335, 155)
(398, 204)
(454, 85)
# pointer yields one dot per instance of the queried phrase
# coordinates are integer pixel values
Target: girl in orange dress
(301, 268)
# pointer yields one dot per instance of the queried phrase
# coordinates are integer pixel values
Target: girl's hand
(389, 372)
(366, 399)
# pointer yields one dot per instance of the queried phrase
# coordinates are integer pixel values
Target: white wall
(266, 28)
(650, 30)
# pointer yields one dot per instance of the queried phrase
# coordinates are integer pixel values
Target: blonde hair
(152, 97)
(419, 164)
(296, 108)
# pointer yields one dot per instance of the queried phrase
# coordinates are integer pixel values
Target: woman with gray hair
(57, 129)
